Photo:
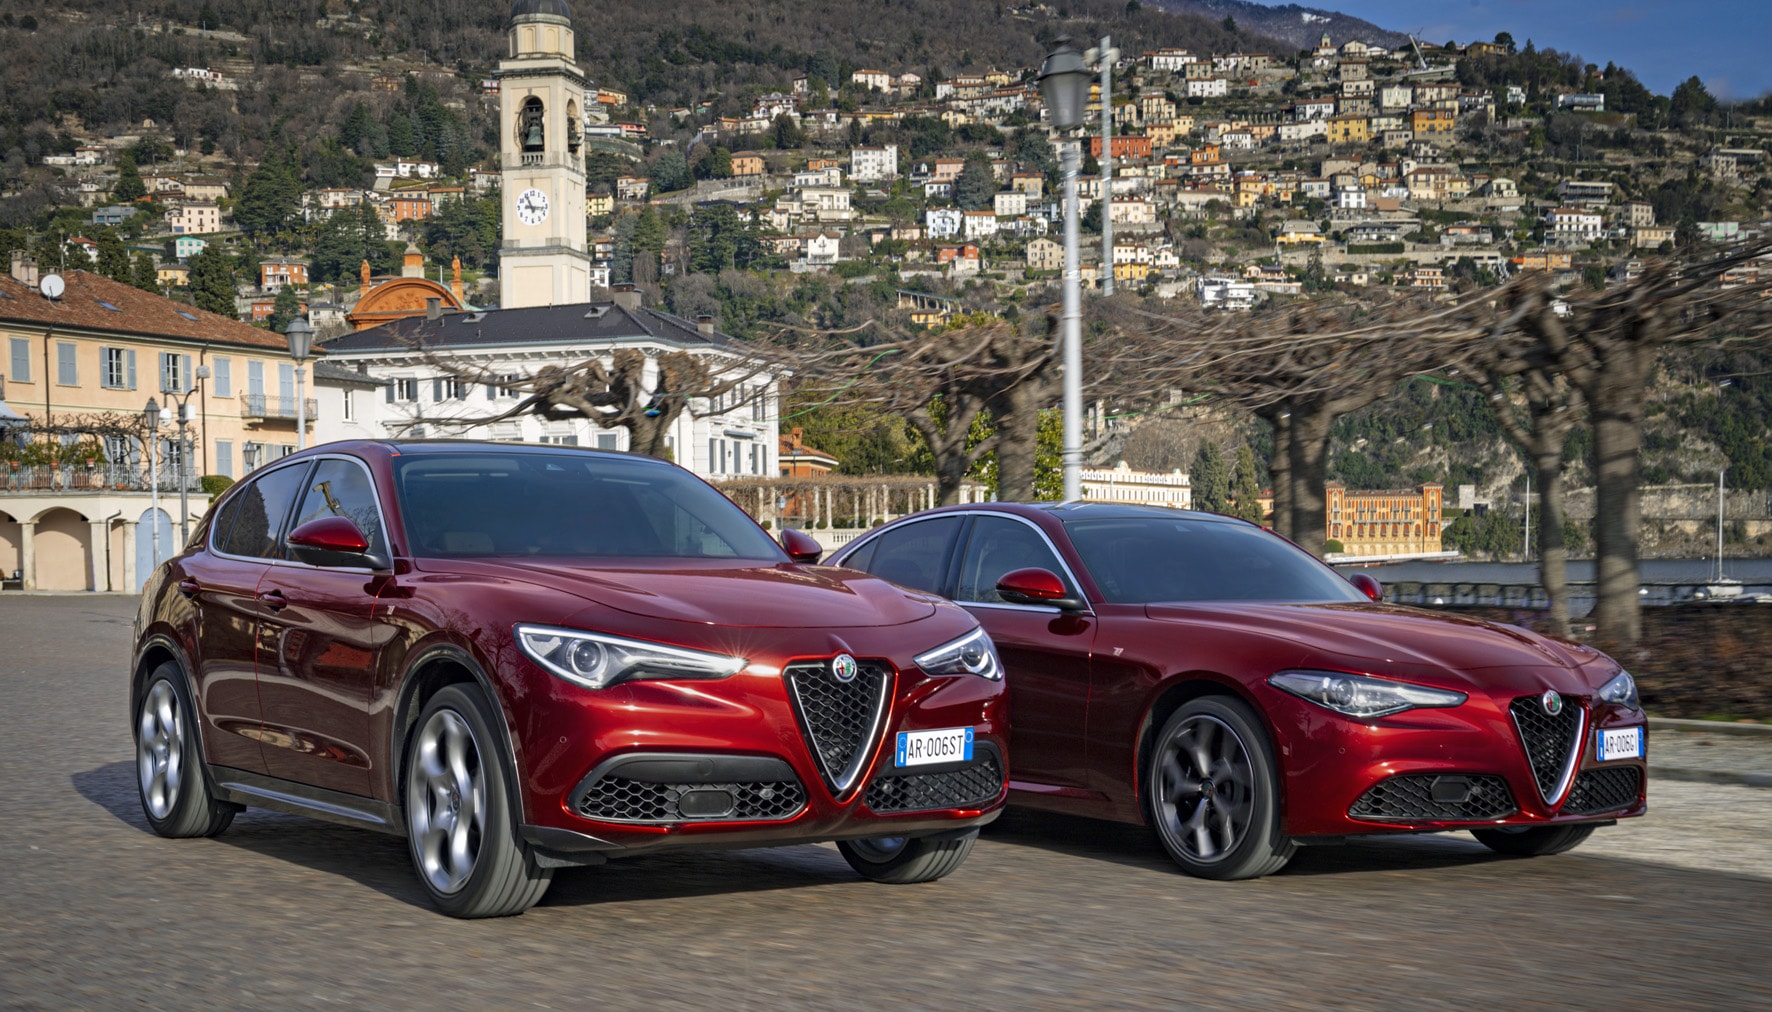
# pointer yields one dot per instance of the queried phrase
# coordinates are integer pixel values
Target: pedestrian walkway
(1710, 751)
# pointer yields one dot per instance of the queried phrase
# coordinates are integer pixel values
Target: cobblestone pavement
(1732, 756)
(1673, 910)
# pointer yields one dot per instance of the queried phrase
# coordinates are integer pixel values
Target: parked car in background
(528, 657)
(1208, 677)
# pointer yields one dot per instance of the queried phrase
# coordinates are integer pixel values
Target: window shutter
(129, 367)
(185, 374)
(436, 390)
(391, 391)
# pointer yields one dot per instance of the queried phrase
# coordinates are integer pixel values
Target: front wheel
(1536, 841)
(1213, 792)
(459, 823)
(169, 770)
(902, 860)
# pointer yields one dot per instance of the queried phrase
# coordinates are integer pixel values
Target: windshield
(1145, 560)
(477, 503)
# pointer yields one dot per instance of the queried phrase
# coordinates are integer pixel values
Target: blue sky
(1724, 42)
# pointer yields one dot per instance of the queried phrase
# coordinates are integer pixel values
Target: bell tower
(544, 259)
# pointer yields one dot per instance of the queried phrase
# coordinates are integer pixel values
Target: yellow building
(1385, 522)
(1432, 121)
(1132, 271)
(82, 366)
(1349, 130)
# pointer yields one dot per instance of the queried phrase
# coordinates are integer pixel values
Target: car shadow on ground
(1137, 846)
(381, 862)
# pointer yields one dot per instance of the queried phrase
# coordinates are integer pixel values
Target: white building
(1208, 87)
(871, 165)
(943, 222)
(413, 393)
(1010, 204)
(1146, 488)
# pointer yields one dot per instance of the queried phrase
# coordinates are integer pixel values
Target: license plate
(923, 748)
(1620, 743)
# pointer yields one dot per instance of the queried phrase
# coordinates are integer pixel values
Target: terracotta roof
(95, 302)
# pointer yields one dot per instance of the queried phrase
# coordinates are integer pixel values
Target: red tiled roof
(82, 306)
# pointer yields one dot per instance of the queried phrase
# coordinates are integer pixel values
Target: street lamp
(151, 415)
(184, 452)
(1064, 85)
(1105, 57)
(300, 336)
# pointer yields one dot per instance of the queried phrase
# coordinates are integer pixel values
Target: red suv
(524, 658)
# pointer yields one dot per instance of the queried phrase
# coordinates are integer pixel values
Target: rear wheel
(1535, 841)
(902, 860)
(1213, 792)
(459, 822)
(169, 769)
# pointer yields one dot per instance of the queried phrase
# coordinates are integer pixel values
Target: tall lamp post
(1064, 85)
(151, 415)
(1104, 57)
(184, 452)
(301, 337)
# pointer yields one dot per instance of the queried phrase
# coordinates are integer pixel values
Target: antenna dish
(52, 286)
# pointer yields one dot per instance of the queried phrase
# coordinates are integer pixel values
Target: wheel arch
(429, 671)
(156, 649)
(1177, 692)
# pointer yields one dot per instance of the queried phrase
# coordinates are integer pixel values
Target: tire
(170, 778)
(1212, 792)
(460, 824)
(1534, 842)
(901, 860)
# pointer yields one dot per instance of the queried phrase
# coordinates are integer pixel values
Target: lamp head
(301, 337)
(1064, 84)
(151, 413)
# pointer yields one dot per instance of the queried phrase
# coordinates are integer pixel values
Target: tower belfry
(544, 259)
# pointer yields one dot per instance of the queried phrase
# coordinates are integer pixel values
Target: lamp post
(1064, 85)
(184, 452)
(1104, 56)
(151, 415)
(300, 336)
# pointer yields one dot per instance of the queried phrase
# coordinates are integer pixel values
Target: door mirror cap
(801, 547)
(332, 541)
(1367, 585)
(1036, 586)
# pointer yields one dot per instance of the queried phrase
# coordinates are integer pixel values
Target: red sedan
(524, 658)
(1208, 677)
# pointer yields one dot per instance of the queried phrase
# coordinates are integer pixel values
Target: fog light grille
(976, 784)
(618, 799)
(1435, 797)
(1604, 789)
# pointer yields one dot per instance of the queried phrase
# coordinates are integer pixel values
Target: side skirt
(255, 790)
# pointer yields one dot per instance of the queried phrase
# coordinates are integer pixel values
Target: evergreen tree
(271, 197)
(129, 180)
(212, 282)
(1211, 482)
(286, 307)
(113, 257)
(1247, 486)
(145, 276)
(671, 172)
(787, 133)
(977, 184)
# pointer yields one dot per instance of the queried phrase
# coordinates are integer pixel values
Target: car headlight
(1622, 689)
(596, 661)
(1361, 696)
(971, 654)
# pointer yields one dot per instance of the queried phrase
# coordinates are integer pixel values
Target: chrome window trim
(381, 516)
(1065, 571)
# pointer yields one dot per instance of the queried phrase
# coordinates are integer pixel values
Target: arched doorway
(144, 546)
(63, 551)
(12, 539)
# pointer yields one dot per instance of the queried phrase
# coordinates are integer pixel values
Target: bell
(532, 137)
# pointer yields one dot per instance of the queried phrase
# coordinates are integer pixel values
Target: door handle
(274, 600)
(189, 588)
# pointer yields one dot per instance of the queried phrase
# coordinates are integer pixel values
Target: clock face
(532, 207)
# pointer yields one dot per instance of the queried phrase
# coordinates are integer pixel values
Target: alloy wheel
(879, 849)
(160, 749)
(1206, 794)
(446, 801)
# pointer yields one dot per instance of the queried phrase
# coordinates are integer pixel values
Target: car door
(1045, 653)
(222, 584)
(320, 642)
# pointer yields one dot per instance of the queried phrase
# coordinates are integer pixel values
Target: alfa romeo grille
(618, 799)
(1552, 741)
(841, 720)
(1602, 790)
(975, 784)
(1435, 797)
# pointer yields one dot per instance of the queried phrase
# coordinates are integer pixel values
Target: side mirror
(1368, 586)
(800, 546)
(332, 541)
(1036, 586)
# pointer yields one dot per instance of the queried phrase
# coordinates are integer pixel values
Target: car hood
(738, 593)
(1405, 642)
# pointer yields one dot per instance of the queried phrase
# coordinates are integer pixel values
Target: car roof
(1066, 511)
(409, 447)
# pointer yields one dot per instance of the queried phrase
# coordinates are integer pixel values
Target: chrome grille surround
(1553, 742)
(840, 720)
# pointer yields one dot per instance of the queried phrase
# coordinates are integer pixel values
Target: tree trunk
(1018, 433)
(1552, 556)
(1309, 453)
(1280, 470)
(1618, 435)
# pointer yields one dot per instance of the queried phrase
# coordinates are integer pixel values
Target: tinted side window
(263, 505)
(997, 546)
(224, 521)
(915, 555)
(341, 488)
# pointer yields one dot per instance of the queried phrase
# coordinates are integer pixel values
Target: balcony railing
(122, 476)
(265, 407)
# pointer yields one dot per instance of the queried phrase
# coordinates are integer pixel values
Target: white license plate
(1620, 743)
(922, 748)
